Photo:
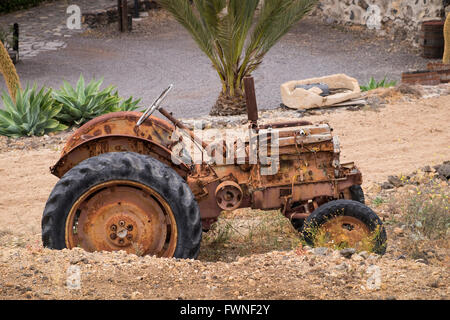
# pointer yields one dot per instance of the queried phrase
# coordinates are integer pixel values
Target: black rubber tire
(347, 208)
(298, 224)
(357, 193)
(127, 166)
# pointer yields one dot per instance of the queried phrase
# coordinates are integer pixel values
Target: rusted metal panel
(122, 123)
(114, 143)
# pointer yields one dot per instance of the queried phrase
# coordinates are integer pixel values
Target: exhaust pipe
(250, 97)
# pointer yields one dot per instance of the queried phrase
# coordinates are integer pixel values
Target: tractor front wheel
(345, 223)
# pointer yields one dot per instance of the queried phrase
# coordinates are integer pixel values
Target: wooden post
(136, 8)
(125, 15)
(16, 37)
(122, 6)
(119, 13)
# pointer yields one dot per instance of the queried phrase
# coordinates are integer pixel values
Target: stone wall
(401, 19)
(104, 16)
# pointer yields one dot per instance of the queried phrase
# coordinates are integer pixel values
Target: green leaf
(31, 114)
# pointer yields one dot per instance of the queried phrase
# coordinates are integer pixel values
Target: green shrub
(128, 105)
(84, 103)
(373, 84)
(33, 114)
(427, 213)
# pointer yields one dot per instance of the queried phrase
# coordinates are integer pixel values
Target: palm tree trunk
(228, 105)
(9, 72)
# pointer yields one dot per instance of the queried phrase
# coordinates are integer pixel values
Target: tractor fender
(116, 143)
(122, 123)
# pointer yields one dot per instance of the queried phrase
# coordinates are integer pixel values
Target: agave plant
(83, 103)
(223, 31)
(128, 105)
(373, 84)
(32, 114)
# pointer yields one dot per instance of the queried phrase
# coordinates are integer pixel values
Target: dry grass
(422, 214)
(247, 232)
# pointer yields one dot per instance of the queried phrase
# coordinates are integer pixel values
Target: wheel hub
(122, 216)
(343, 231)
(120, 230)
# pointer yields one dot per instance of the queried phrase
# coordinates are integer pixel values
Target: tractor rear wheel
(345, 223)
(123, 201)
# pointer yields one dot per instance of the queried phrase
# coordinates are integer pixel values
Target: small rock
(357, 257)
(387, 185)
(364, 254)
(341, 267)
(76, 260)
(136, 295)
(444, 170)
(409, 90)
(375, 101)
(434, 283)
(395, 181)
(398, 231)
(330, 20)
(335, 254)
(321, 251)
(347, 252)
(421, 261)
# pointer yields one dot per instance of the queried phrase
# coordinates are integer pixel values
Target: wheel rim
(122, 215)
(343, 231)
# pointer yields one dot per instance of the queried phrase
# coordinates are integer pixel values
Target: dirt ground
(398, 138)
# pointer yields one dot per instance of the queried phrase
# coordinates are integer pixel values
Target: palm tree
(236, 35)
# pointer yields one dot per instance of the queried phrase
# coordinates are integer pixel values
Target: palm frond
(226, 31)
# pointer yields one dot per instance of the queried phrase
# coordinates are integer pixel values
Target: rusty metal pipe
(180, 125)
(286, 124)
(298, 216)
(250, 97)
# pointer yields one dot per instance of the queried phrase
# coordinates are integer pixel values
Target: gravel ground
(320, 274)
(159, 52)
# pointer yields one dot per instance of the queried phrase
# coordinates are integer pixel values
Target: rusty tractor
(125, 186)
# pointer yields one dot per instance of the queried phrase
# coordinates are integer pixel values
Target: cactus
(446, 58)
(9, 72)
